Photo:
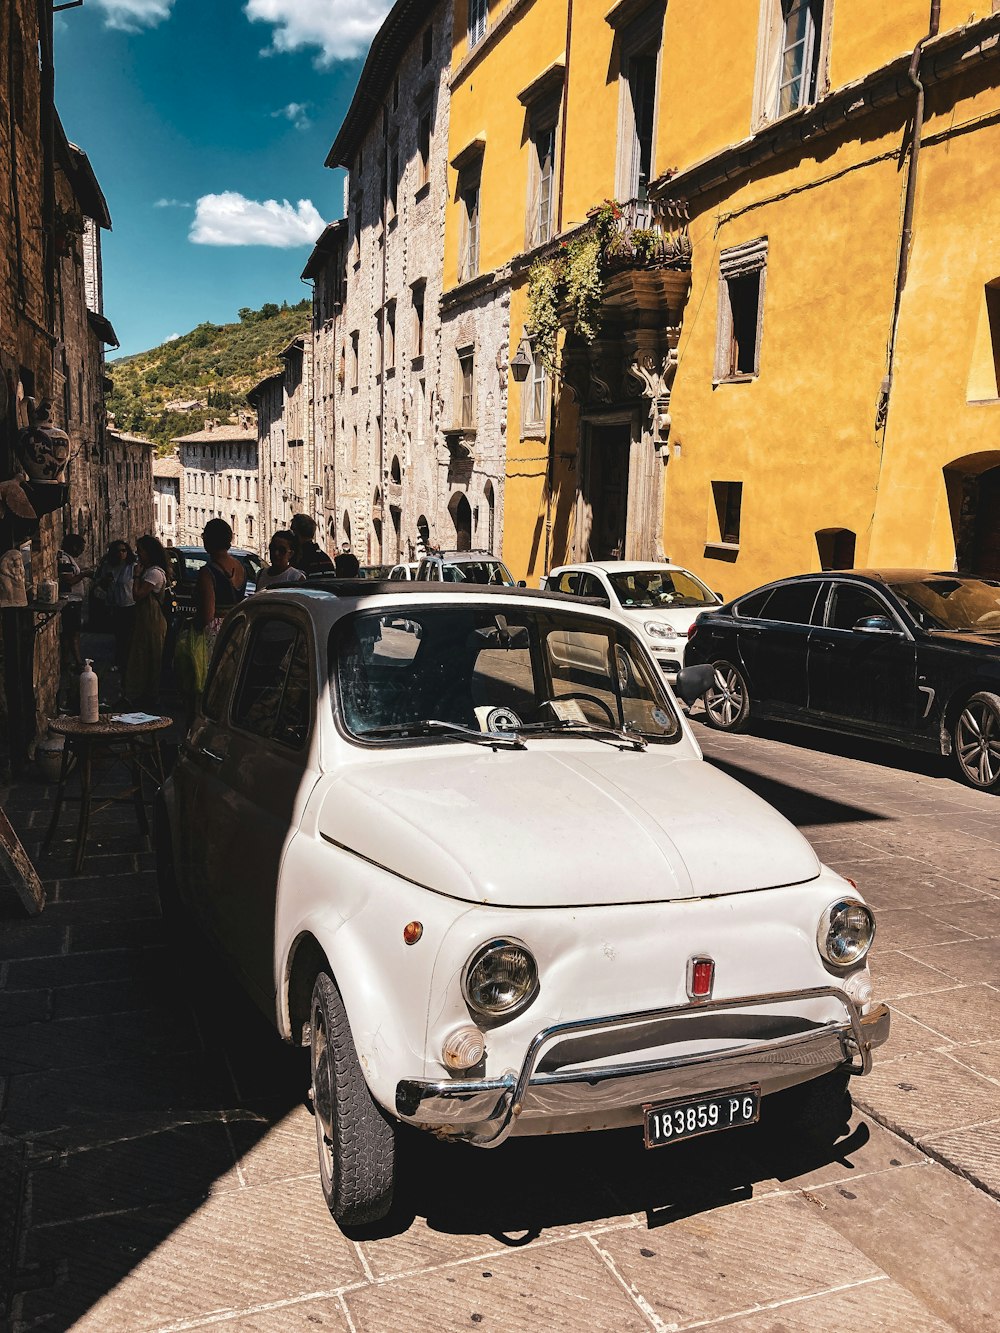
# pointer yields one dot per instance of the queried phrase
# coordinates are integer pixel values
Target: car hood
(984, 642)
(564, 824)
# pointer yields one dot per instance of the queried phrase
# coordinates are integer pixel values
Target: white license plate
(670, 1122)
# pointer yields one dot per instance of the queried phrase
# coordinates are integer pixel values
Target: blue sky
(195, 113)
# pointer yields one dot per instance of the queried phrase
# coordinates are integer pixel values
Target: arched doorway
(377, 522)
(396, 514)
(396, 472)
(973, 486)
(423, 536)
(461, 516)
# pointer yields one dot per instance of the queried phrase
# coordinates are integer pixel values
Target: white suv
(466, 567)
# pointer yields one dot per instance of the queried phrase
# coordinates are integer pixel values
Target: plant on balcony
(569, 287)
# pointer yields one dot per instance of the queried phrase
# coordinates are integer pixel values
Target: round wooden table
(111, 743)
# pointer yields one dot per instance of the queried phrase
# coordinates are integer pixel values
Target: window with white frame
(469, 186)
(540, 217)
(467, 386)
(639, 45)
(742, 280)
(478, 18)
(535, 396)
(790, 56)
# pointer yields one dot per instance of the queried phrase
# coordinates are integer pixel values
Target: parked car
(465, 567)
(186, 564)
(907, 656)
(377, 572)
(496, 896)
(404, 572)
(659, 601)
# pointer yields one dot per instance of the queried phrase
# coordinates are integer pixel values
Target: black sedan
(906, 656)
(186, 563)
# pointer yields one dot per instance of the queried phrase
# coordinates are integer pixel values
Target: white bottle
(90, 706)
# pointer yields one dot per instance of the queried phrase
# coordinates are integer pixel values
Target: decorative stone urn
(43, 449)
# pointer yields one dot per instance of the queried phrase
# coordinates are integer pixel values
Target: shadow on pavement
(801, 807)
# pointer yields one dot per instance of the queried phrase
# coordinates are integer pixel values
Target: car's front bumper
(485, 1111)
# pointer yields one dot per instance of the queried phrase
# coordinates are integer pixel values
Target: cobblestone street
(157, 1158)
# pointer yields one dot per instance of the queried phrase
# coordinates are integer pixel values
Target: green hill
(214, 364)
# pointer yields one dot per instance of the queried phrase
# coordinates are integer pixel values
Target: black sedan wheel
(356, 1139)
(976, 739)
(727, 703)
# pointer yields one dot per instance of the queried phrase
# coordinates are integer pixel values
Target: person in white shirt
(280, 571)
(145, 659)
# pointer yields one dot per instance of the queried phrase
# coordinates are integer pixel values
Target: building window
(392, 182)
(395, 93)
(541, 195)
(639, 44)
(535, 396)
(728, 502)
(836, 548)
(238, 496)
(490, 497)
(468, 265)
(419, 294)
(478, 17)
(789, 56)
(984, 377)
(467, 386)
(428, 46)
(742, 279)
(420, 408)
(390, 335)
(424, 146)
(355, 360)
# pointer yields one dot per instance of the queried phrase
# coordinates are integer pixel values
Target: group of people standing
(136, 589)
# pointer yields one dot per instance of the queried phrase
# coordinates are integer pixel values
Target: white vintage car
(498, 895)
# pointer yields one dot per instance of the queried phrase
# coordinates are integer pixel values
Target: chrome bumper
(484, 1111)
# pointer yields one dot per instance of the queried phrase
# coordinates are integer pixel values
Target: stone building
(298, 465)
(167, 475)
(394, 473)
(51, 214)
(326, 270)
(128, 474)
(220, 479)
(268, 401)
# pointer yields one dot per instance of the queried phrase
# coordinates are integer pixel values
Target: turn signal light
(463, 1048)
(700, 978)
(412, 932)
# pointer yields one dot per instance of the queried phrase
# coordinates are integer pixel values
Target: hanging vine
(571, 283)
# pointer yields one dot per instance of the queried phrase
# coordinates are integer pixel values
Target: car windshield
(188, 565)
(478, 571)
(952, 601)
(664, 588)
(435, 672)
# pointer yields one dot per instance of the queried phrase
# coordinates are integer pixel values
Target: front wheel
(355, 1138)
(727, 703)
(975, 738)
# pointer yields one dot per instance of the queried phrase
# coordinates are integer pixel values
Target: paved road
(157, 1160)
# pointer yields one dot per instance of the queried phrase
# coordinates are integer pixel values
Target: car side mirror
(694, 682)
(877, 625)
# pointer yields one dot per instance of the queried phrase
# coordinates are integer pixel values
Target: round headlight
(656, 629)
(845, 934)
(501, 979)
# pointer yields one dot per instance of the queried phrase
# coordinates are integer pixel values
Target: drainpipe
(906, 234)
(550, 460)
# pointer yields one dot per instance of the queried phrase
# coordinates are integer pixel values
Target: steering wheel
(580, 694)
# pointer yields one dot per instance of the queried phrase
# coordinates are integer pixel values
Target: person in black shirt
(309, 557)
(346, 563)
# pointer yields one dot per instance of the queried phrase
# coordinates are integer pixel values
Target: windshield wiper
(590, 730)
(496, 740)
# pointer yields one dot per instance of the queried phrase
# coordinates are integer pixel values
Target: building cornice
(948, 56)
(501, 24)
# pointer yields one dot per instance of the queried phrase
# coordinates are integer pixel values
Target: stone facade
(392, 471)
(129, 474)
(268, 400)
(326, 269)
(167, 474)
(220, 479)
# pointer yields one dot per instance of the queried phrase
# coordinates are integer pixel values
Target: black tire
(356, 1140)
(975, 737)
(818, 1113)
(727, 703)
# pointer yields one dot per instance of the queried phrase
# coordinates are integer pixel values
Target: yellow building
(804, 376)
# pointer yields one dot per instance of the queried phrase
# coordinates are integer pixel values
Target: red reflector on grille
(701, 978)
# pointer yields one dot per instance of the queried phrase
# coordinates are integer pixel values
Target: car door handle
(822, 645)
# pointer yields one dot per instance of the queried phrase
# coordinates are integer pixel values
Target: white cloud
(232, 219)
(296, 113)
(171, 203)
(171, 337)
(134, 15)
(341, 29)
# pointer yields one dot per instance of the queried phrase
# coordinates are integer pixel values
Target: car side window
(850, 604)
(274, 696)
(792, 603)
(590, 586)
(222, 676)
(751, 607)
(568, 581)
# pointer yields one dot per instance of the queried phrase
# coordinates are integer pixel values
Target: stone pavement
(157, 1159)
